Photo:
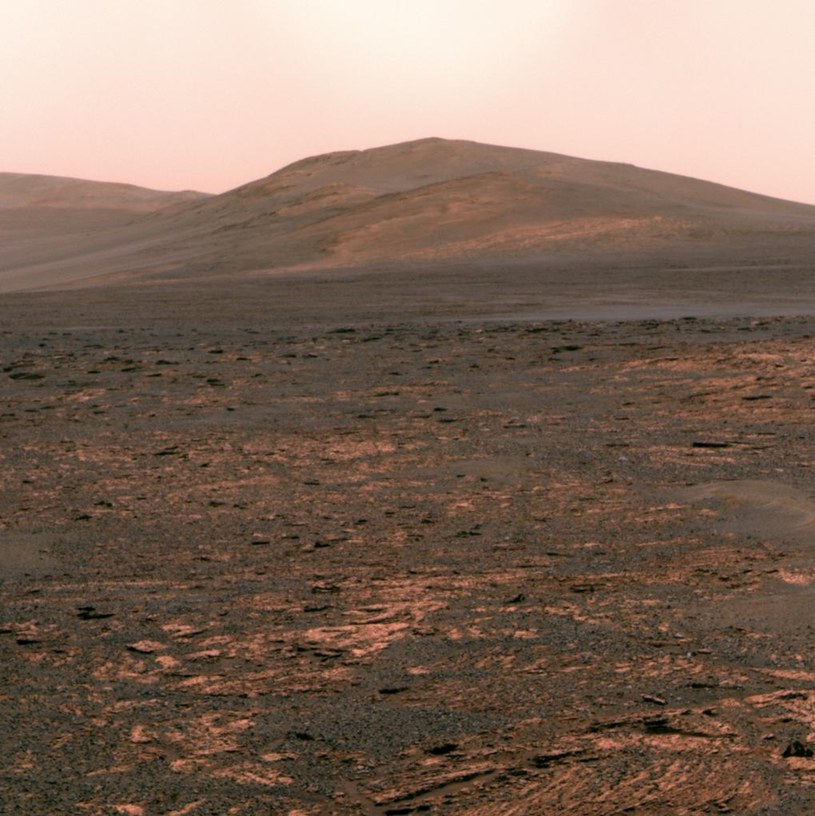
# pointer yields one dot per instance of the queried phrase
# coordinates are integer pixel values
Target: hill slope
(52, 227)
(432, 200)
(440, 199)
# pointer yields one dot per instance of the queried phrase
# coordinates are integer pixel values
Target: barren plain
(257, 561)
(460, 538)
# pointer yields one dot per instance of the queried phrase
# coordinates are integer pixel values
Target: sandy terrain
(263, 555)
(450, 535)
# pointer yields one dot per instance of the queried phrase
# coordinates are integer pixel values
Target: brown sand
(763, 505)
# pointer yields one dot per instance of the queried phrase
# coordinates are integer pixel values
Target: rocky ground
(261, 564)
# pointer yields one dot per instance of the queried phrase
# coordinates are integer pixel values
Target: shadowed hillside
(51, 227)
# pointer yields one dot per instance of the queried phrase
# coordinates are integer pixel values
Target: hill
(427, 201)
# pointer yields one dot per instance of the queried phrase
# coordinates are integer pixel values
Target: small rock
(324, 587)
(796, 748)
(139, 735)
(145, 646)
(91, 613)
(443, 748)
(301, 735)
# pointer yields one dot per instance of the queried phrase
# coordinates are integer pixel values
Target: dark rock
(91, 613)
(658, 725)
(796, 748)
(443, 748)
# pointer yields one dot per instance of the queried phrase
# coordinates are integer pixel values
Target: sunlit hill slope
(429, 201)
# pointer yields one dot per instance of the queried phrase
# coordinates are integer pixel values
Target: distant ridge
(18, 190)
(426, 201)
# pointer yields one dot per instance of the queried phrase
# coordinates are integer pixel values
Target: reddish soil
(259, 559)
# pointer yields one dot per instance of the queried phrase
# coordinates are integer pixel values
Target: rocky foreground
(406, 567)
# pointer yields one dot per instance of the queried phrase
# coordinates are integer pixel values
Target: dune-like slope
(56, 230)
(431, 200)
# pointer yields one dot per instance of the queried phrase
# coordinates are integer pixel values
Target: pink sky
(209, 94)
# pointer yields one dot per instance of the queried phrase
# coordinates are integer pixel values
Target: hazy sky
(209, 94)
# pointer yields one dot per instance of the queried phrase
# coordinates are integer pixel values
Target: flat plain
(369, 543)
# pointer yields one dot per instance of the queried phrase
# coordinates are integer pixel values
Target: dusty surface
(262, 557)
